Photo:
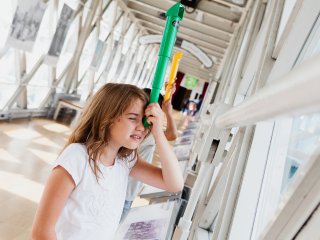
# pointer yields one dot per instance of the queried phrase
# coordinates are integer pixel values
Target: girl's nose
(140, 126)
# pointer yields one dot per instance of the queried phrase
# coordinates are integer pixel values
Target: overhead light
(148, 39)
(239, 2)
(188, 46)
(197, 52)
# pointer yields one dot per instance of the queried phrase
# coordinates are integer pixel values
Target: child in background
(147, 148)
(191, 109)
(85, 192)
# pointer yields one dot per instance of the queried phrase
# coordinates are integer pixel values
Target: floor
(27, 149)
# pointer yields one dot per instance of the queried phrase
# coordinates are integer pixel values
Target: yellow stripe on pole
(173, 72)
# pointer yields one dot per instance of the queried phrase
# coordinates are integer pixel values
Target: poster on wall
(60, 35)
(25, 24)
(146, 230)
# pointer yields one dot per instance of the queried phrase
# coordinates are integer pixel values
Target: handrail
(294, 94)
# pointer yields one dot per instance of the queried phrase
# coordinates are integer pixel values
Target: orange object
(173, 72)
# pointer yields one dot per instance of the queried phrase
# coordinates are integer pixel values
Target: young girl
(85, 192)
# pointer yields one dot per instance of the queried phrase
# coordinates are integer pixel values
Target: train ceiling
(209, 25)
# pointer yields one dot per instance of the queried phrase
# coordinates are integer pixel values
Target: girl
(85, 192)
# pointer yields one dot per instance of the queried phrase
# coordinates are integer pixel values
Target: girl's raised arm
(169, 176)
(57, 190)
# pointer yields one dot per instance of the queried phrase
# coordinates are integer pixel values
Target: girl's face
(128, 131)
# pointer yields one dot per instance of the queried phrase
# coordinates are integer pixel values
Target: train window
(108, 17)
(305, 135)
(38, 87)
(8, 80)
(87, 54)
(7, 71)
(7, 91)
(304, 138)
(290, 9)
(283, 145)
(293, 140)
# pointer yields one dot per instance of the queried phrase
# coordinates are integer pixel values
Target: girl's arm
(169, 176)
(57, 190)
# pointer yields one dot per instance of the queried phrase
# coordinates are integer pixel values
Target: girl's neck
(108, 156)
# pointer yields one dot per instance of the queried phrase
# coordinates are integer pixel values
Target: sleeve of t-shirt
(73, 159)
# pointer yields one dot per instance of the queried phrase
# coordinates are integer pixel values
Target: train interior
(246, 105)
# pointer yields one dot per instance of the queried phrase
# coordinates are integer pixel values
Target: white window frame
(291, 51)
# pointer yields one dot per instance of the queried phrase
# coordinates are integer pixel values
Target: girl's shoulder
(74, 159)
(76, 147)
(76, 151)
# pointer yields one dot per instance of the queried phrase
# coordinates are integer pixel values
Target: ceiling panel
(210, 26)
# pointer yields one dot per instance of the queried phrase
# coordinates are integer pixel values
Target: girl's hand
(154, 116)
(167, 107)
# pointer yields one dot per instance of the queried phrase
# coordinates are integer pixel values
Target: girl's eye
(133, 119)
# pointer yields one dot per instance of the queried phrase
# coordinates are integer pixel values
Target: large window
(304, 138)
(293, 142)
(305, 130)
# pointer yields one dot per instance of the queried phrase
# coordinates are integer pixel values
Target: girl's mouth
(136, 137)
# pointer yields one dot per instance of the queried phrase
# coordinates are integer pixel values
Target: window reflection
(305, 132)
(304, 138)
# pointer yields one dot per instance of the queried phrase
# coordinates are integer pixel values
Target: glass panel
(41, 77)
(287, 9)
(6, 92)
(38, 87)
(87, 54)
(8, 81)
(7, 72)
(42, 42)
(86, 9)
(99, 83)
(305, 132)
(304, 138)
(84, 87)
(106, 22)
(36, 94)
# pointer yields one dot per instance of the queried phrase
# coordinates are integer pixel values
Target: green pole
(174, 16)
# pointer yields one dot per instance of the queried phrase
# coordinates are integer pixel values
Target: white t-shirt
(145, 151)
(93, 208)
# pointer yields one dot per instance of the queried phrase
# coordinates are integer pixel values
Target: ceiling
(210, 26)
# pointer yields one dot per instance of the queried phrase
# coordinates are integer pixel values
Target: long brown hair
(93, 129)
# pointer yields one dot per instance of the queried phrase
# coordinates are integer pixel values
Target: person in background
(191, 109)
(85, 192)
(147, 148)
(199, 103)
